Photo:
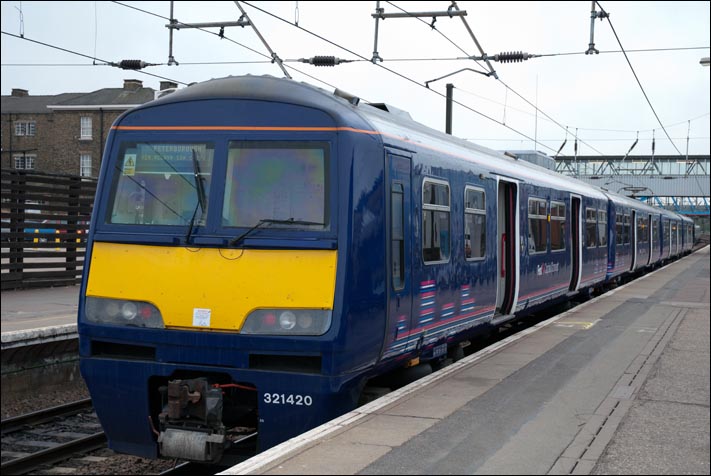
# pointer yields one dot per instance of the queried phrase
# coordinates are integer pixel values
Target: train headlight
(129, 310)
(299, 322)
(287, 320)
(123, 312)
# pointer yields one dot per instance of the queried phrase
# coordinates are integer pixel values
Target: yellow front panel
(230, 283)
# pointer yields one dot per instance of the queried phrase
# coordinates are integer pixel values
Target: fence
(45, 218)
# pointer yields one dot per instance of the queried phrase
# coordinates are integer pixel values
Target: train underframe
(187, 412)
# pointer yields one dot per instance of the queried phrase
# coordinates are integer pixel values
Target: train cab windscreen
(161, 184)
(283, 184)
(280, 182)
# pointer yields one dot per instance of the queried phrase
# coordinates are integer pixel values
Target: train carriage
(620, 249)
(688, 233)
(636, 235)
(260, 248)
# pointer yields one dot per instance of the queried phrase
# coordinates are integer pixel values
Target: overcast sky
(597, 94)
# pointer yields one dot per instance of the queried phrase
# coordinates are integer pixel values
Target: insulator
(511, 57)
(324, 61)
(132, 64)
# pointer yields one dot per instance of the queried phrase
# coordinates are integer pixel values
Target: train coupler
(191, 425)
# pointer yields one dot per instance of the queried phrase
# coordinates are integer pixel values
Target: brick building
(65, 133)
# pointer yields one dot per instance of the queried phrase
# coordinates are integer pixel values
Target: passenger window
(557, 226)
(601, 228)
(590, 227)
(435, 221)
(474, 223)
(537, 226)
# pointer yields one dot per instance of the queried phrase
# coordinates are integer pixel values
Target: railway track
(48, 436)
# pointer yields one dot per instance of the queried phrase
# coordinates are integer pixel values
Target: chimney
(20, 93)
(167, 85)
(132, 84)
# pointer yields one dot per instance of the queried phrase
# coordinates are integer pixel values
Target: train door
(399, 213)
(666, 237)
(633, 240)
(651, 241)
(576, 248)
(508, 244)
(672, 245)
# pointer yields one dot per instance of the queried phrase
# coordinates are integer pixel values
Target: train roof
(260, 88)
(408, 130)
(631, 202)
(392, 124)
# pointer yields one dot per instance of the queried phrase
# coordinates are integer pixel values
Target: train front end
(210, 319)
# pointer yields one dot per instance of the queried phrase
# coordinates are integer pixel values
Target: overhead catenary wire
(387, 69)
(582, 129)
(506, 86)
(106, 63)
(637, 78)
(224, 37)
(645, 95)
(197, 28)
(593, 129)
(641, 50)
(468, 56)
(626, 139)
(556, 54)
(356, 60)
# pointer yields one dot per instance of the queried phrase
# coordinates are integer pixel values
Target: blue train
(261, 248)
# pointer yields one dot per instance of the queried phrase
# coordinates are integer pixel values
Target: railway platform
(29, 309)
(617, 385)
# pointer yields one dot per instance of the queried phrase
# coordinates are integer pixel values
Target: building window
(537, 226)
(435, 221)
(474, 223)
(25, 162)
(557, 226)
(85, 165)
(85, 129)
(24, 128)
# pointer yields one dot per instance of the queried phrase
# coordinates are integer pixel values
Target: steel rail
(52, 455)
(13, 424)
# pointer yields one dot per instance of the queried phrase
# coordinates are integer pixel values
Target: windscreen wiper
(270, 221)
(200, 188)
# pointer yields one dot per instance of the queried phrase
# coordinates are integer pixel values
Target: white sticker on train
(201, 317)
